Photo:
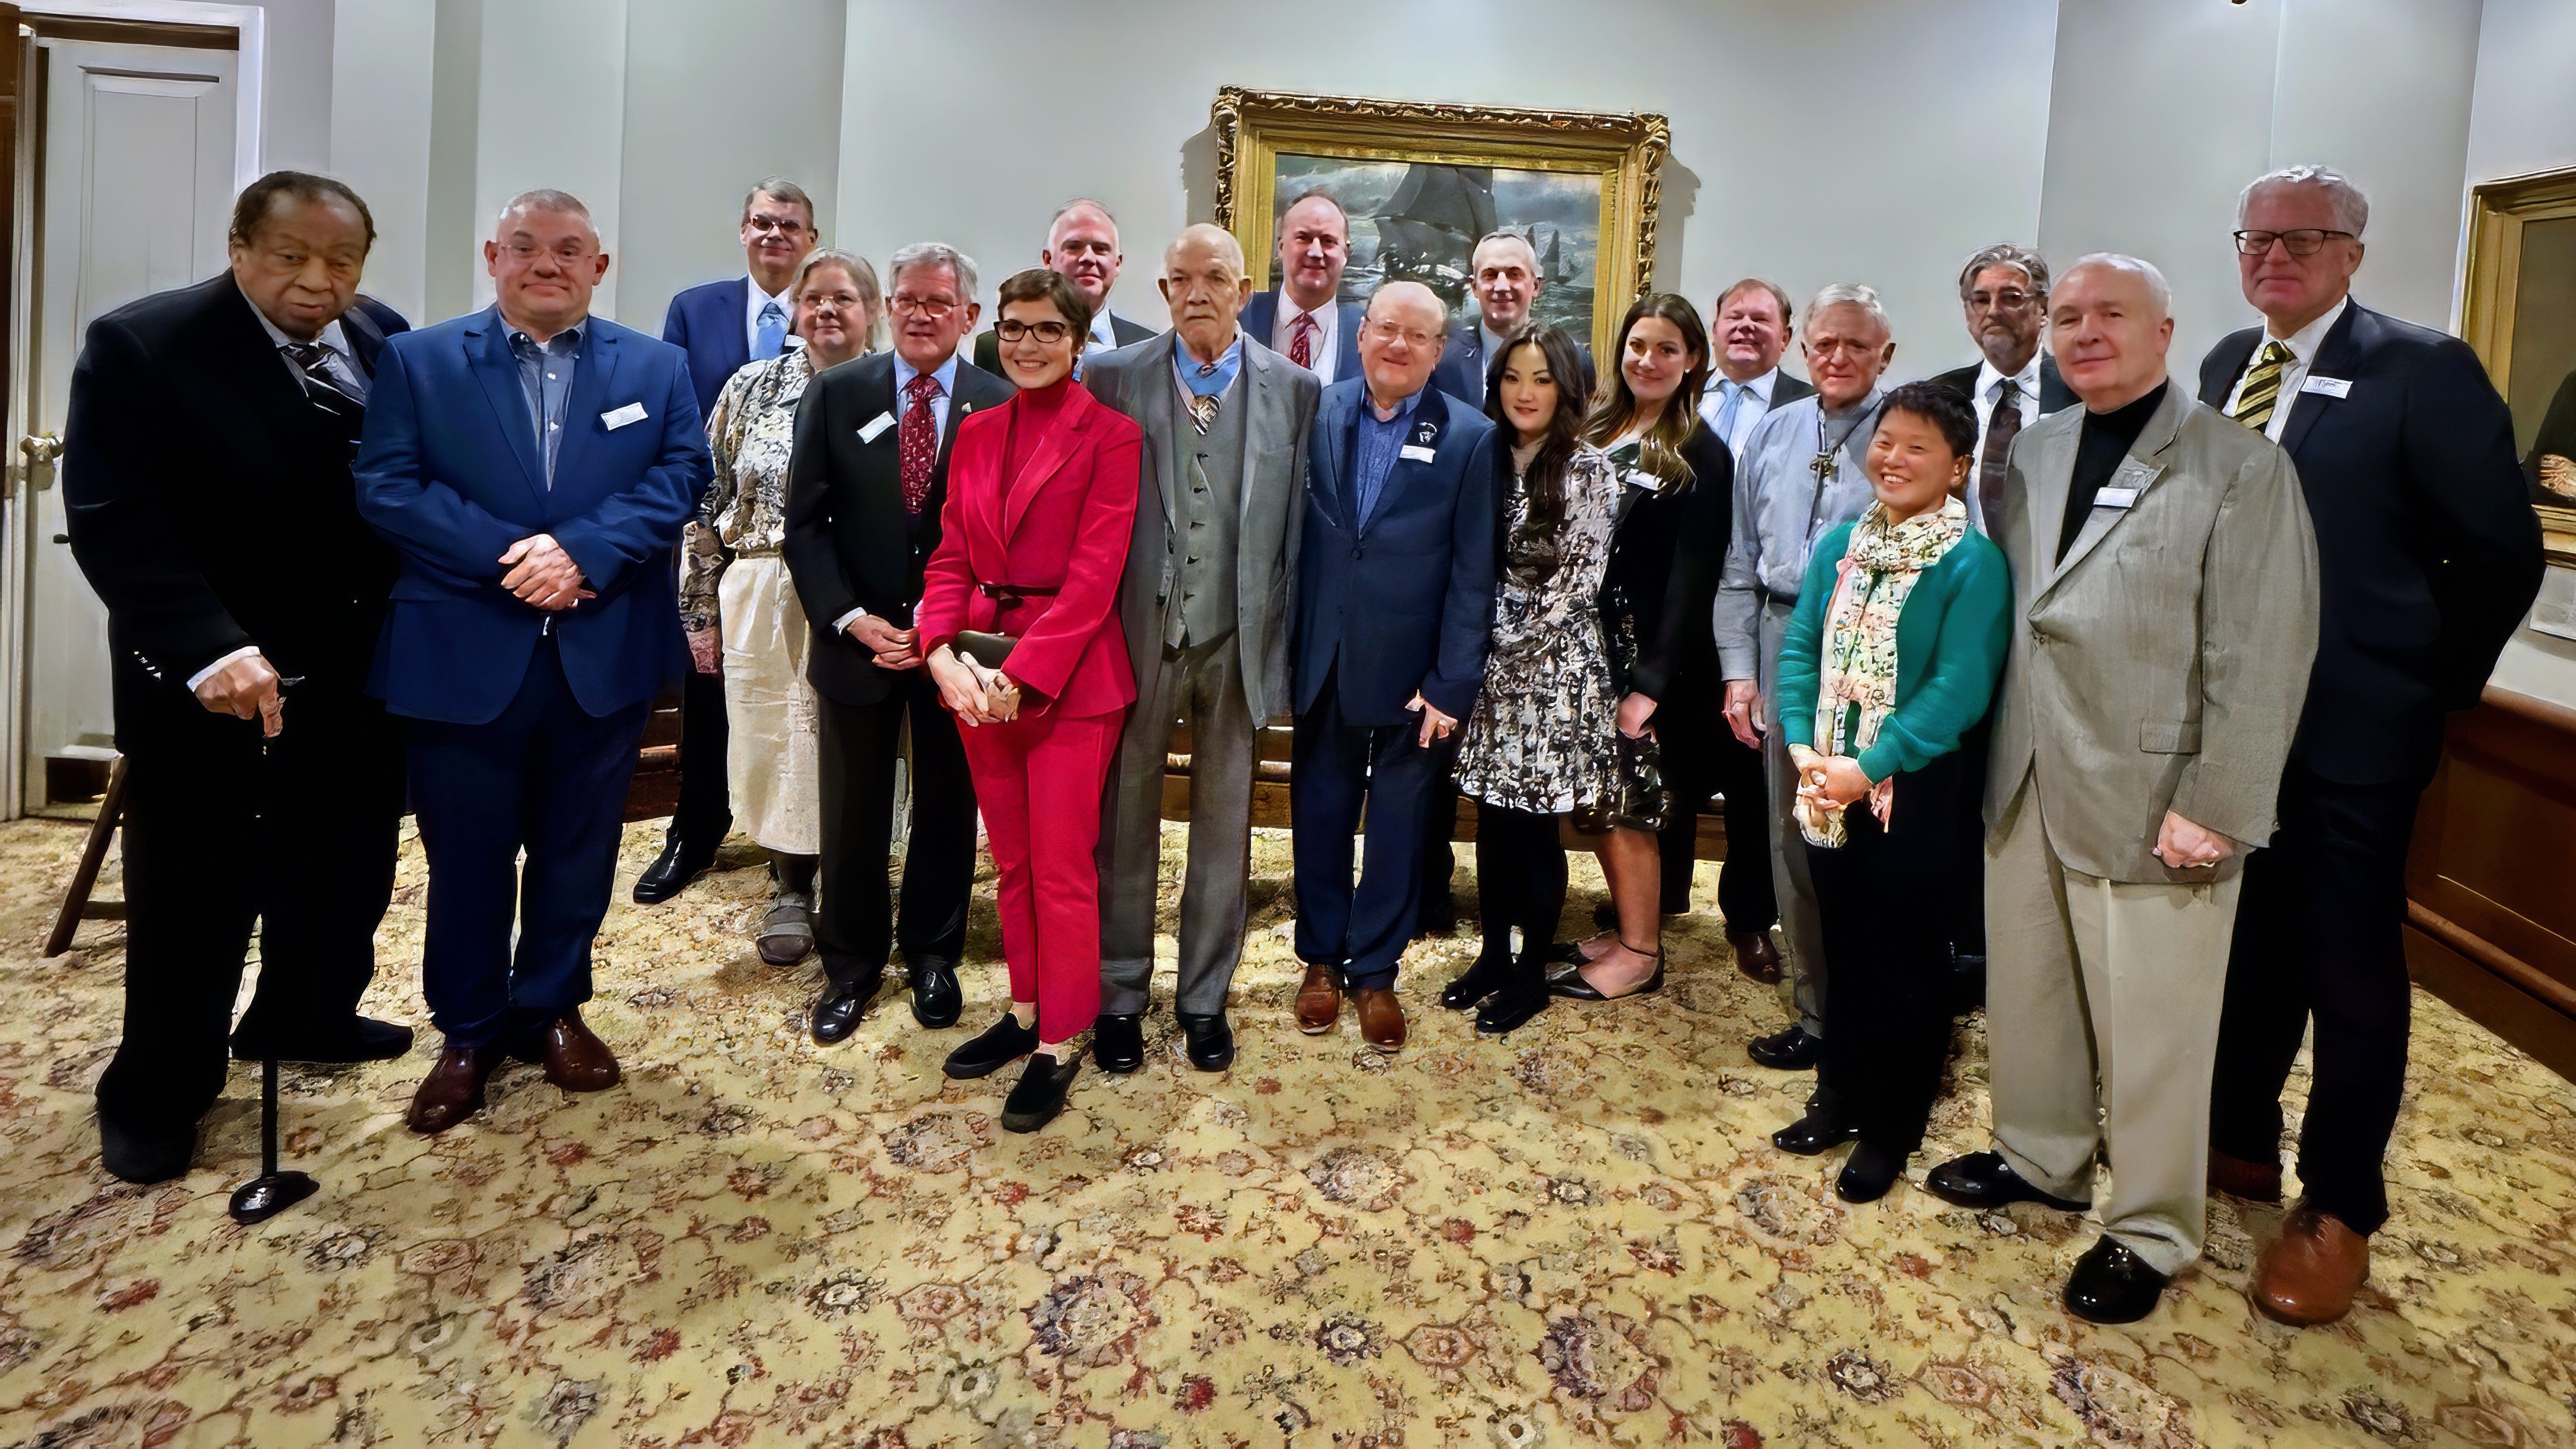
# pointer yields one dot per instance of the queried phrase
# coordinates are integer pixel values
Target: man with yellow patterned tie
(2428, 554)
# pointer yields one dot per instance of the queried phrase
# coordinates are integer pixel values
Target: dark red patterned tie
(917, 441)
(2003, 424)
(1300, 350)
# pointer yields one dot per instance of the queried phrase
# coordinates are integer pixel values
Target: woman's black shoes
(1479, 981)
(1868, 1174)
(999, 1045)
(1816, 1133)
(1569, 982)
(1039, 1095)
(1512, 1006)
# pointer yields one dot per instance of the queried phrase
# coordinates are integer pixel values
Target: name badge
(631, 413)
(1412, 453)
(2330, 386)
(2115, 497)
(875, 427)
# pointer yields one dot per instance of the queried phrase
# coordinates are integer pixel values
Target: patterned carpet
(1578, 1236)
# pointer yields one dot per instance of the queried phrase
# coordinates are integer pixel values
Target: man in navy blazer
(1503, 276)
(1300, 319)
(723, 327)
(532, 465)
(2429, 554)
(1392, 619)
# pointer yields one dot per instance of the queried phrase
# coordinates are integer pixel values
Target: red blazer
(1065, 523)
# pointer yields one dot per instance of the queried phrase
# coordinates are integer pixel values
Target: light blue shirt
(1374, 444)
(905, 372)
(545, 373)
(1202, 379)
(1781, 509)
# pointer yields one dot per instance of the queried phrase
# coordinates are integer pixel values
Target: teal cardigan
(1950, 644)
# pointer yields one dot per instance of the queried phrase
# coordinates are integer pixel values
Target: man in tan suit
(2165, 589)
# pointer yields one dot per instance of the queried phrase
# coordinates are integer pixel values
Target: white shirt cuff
(842, 624)
(211, 670)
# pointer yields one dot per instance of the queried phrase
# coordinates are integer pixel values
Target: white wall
(381, 100)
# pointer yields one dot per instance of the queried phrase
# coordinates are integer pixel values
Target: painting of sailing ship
(1419, 221)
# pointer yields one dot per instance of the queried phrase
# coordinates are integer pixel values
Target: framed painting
(2520, 315)
(1422, 182)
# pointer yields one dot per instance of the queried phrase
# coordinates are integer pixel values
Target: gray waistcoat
(1207, 503)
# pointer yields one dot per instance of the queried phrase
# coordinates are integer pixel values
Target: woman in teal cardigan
(1892, 656)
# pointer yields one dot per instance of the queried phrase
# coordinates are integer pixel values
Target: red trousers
(1038, 782)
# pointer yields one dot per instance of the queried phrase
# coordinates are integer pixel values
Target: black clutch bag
(988, 650)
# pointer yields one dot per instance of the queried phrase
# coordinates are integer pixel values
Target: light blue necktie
(773, 333)
(1726, 412)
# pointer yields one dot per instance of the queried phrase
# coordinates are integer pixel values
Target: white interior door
(136, 177)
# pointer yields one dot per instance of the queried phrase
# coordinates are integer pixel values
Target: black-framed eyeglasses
(2302, 241)
(1012, 329)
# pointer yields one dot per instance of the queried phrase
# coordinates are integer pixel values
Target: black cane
(272, 1192)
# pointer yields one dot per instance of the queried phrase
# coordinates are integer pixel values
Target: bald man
(1204, 604)
(1082, 247)
(2165, 603)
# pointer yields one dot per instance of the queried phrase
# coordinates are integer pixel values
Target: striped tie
(2254, 402)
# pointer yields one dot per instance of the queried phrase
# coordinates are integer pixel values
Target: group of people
(2044, 679)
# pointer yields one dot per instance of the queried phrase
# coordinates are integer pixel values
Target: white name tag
(1414, 454)
(631, 413)
(875, 427)
(2330, 386)
(2115, 497)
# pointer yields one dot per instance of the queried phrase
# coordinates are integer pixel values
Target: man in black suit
(1082, 248)
(1503, 275)
(206, 481)
(864, 489)
(2429, 555)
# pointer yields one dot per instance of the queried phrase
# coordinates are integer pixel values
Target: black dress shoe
(2111, 1284)
(1039, 1095)
(366, 1040)
(137, 1157)
(1478, 981)
(1985, 1180)
(936, 999)
(838, 1013)
(996, 1047)
(1816, 1133)
(1512, 1007)
(672, 870)
(1868, 1173)
(1793, 1050)
(1209, 1041)
(1118, 1041)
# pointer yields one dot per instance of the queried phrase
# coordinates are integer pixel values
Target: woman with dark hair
(1893, 654)
(1018, 626)
(1541, 741)
(1666, 550)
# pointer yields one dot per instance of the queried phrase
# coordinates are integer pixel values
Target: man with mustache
(1082, 248)
(1303, 319)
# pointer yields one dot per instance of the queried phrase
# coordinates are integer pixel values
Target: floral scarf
(1856, 685)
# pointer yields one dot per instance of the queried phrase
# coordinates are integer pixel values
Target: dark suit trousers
(220, 831)
(1337, 768)
(1967, 903)
(545, 777)
(1700, 757)
(857, 925)
(705, 811)
(2318, 933)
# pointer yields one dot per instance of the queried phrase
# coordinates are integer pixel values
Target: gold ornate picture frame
(2519, 313)
(1422, 181)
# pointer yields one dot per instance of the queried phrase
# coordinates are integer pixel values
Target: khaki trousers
(1802, 931)
(2092, 979)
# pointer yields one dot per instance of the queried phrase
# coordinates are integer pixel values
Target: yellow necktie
(2254, 402)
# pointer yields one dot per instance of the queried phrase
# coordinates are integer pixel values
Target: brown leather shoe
(1319, 1001)
(453, 1090)
(1381, 1018)
(2253, 1181)
(2311, 1272)
(1755, 956)
(575, 1058)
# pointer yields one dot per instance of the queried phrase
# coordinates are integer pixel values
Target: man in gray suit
(1205, 605)
(2165, 588)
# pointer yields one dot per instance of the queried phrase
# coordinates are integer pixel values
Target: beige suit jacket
(2160, 666)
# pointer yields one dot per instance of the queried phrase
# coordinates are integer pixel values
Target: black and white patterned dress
(1543, 735)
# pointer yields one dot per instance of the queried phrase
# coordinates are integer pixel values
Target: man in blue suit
(1300, 319)
(532, 465)
(723, 326)
(1393, 615)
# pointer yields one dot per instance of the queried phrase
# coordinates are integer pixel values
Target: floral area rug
(1577, 1235)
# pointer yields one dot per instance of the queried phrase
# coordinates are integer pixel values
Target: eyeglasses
(1011, 329)
(933, 308)
(1389, 332)
(786, 226)
(2010, 299)
(2302, 241)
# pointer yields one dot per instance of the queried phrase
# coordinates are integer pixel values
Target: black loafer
(1209, 1041)
(1814, 1134)
(1984, 1180)
(1039, 1094)
(2111, 1284)
(838, 1013)
(1793, 1050)
(996, 1047)
(366, 1040)
(1118, 1042)
(1511, 1008)
(936, 999)
(1868, 1173)
(1477, 982)
(672, 870)
(136, 1157)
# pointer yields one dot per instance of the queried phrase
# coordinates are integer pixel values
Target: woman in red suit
(1041, 507)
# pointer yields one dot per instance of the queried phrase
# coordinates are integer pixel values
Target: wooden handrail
(2537, 710)
(2531, 979)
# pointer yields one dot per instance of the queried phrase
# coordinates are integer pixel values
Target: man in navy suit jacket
(1393, 616)
(1314, 246)
(532, 464)
(2428, 555)
(1503, 276)
(723, 327)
